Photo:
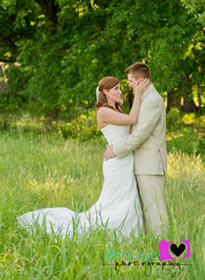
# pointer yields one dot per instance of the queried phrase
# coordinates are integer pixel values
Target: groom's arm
(149, 115)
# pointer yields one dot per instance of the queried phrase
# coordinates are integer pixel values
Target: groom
(148, 143)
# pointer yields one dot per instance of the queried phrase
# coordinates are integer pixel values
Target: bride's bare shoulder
(100, 116)
(103, 109)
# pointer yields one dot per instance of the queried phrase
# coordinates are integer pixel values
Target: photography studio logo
(148, 262)
(166, 246)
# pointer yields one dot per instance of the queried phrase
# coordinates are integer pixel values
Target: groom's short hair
(139, 69)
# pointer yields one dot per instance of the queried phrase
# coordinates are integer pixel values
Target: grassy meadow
(40, 171)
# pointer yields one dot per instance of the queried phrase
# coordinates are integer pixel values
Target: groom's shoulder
(154, 96)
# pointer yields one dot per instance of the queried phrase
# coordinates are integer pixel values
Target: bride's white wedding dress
(118, 205)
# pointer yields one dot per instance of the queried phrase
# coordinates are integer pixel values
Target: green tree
(64, 47)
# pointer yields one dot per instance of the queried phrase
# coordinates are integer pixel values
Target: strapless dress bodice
(115, 133)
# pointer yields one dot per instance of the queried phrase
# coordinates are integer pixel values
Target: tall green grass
(39, 172)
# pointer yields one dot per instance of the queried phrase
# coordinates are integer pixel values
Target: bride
(118, 207)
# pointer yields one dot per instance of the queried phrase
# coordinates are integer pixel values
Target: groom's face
(133, 80)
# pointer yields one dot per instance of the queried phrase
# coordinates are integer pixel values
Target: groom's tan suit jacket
(147, 138)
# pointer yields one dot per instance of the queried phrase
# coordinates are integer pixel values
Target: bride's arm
(112, 117)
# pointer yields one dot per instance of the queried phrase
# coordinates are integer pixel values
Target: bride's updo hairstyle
(108, 83)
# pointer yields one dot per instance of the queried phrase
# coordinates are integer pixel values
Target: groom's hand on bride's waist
(108, 154)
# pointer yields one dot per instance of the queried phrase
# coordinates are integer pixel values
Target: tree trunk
(49, 9)
(173, 100)
(189, 106)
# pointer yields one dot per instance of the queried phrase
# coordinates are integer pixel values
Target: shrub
(84, 127)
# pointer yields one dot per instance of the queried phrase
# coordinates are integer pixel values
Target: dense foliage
(62, 48)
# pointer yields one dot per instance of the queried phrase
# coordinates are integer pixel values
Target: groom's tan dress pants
(151, 190)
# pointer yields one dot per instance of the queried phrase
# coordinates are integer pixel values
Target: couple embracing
(134, 166)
